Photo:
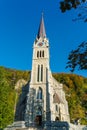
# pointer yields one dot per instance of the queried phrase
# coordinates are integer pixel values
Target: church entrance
(38, 120)
(57, 119)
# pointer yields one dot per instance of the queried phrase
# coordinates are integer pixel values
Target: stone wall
(77, 127)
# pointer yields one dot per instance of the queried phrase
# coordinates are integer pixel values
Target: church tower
(39, 78)
(46, 98)
(40, 57)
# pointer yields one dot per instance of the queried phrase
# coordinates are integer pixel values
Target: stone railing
(54, 125)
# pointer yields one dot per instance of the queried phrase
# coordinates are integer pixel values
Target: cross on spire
(41, 31)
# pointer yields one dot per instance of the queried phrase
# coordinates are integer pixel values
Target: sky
(19, 23)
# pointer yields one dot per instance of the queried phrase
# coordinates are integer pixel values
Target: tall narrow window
(38, 111)
(43, 53)
(39, 94)
(41, 72)
(38, 54)
(38, 73)
(46, 75)
(56, 108)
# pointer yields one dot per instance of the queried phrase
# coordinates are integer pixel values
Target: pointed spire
(41, 31)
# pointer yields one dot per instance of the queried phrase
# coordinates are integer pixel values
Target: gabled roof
(41, 31)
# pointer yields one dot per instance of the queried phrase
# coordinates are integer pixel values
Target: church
(46, 98)
(42, 104)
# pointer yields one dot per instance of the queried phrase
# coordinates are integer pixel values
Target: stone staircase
(48, 126)
(31, 128)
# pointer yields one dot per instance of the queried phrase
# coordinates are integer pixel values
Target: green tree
(69, 4)
(78, 58)
(6, 100)
(8, 79)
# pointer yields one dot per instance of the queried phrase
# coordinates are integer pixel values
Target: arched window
(57, 118)
(39, 111)
(38, 54)
(56, 98)
(41, 72)
(42, 53)
(56, 108)
(39, 94)
(46, 74)
(38, 73)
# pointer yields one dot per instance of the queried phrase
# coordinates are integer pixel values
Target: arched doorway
(57, 118)
(38, 118)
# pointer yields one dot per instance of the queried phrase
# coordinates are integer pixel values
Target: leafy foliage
(75, 88)
(78, 58)
(80, 4)
(8, 78)
(69, 4)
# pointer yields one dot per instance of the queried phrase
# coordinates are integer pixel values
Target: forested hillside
(8, 79)
(75, 88)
